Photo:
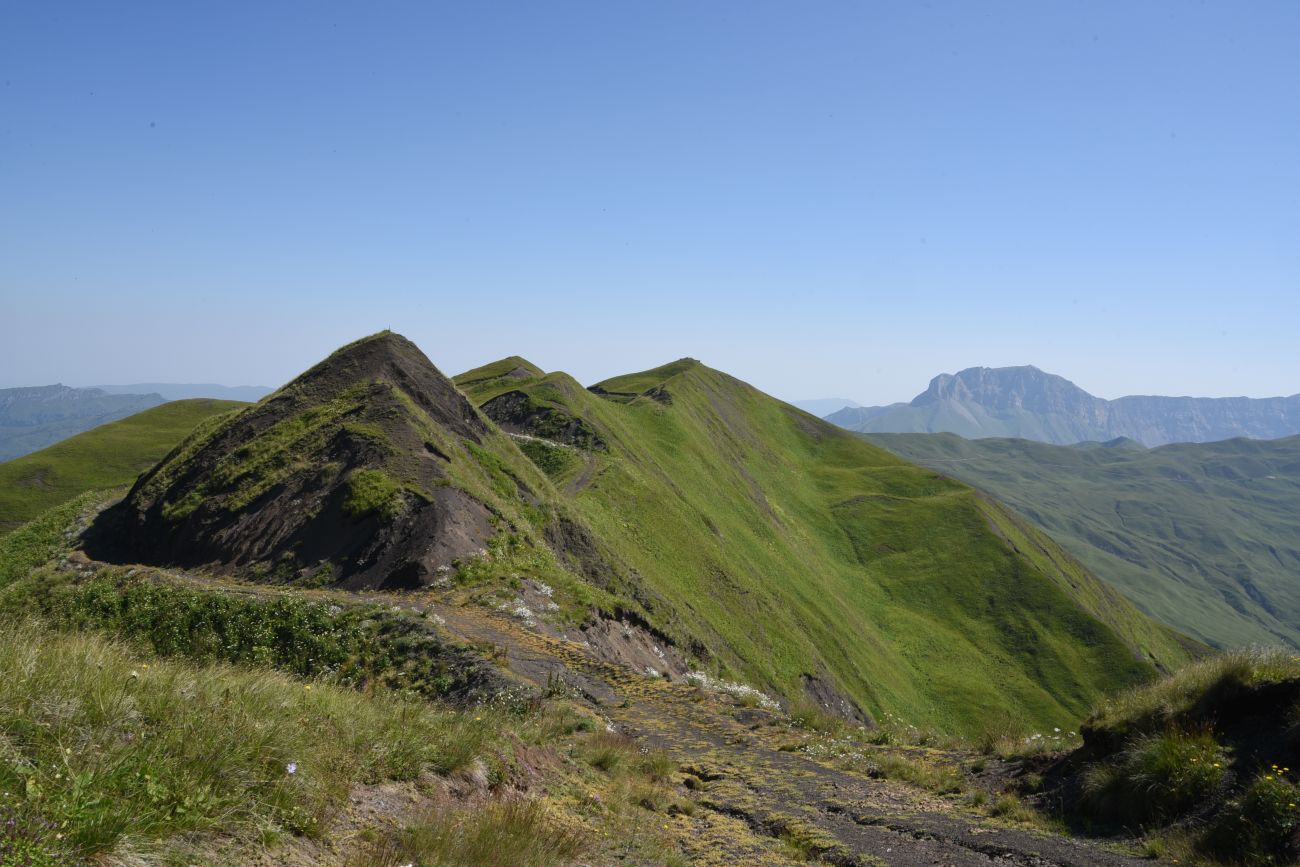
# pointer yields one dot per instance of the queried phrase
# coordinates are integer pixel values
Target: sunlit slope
(105, 457)
(1203, 536)
(805, 558)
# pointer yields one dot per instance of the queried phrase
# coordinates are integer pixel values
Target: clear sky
(828, 198)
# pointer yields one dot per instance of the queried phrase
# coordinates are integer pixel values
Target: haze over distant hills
(32, 418)
(106, 456)
(1027, 403)
(188, 390)
(824, 406)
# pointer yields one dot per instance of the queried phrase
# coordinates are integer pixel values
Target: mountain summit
(363, 471)
(1027, 403)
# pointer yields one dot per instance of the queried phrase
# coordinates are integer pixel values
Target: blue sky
(820, 198)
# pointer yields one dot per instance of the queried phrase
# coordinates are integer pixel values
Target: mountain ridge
(803, 505)
(188, 390)
(767, 545)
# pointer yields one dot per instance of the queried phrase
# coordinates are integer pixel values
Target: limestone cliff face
(1028, 403)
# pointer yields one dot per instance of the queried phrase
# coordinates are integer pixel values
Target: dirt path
(753, 790)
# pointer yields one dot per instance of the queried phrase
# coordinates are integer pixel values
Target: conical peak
(387, 358)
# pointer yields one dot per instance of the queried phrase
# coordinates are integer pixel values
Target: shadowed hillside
(370, 470)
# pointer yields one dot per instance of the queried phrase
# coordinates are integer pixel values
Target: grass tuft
(372, 492)
(608, 751)
(503, 833)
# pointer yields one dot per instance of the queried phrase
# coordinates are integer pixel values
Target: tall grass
(1154, 706)
(122, 751)
(1156, 777)
(502, 833)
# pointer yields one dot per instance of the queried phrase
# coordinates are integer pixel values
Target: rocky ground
(738, 765)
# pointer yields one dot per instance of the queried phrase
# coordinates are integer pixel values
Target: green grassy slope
(1204, 536)
(106, 457)
(788, 548)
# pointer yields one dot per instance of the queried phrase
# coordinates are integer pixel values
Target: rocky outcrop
(357, 473)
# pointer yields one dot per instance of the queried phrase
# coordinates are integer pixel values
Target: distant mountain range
(1026, 403)
(33, 418)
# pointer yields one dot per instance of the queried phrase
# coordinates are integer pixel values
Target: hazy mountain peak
(1004, 387)
(1029, 403)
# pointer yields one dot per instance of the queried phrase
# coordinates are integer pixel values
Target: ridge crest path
(737, 771)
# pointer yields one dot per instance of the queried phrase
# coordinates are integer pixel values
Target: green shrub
(552, 460)
(608, 751)
(352, 645)
(1157, 777)
(810, 715)
(1258, 826)
(657, 765)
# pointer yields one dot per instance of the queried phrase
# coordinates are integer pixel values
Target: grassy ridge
(792, 550)
(109, 456)
(1203, 536)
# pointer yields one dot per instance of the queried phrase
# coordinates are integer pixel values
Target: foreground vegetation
(122, 751)
(164, 745)
(1202, 760)
(233, 726)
